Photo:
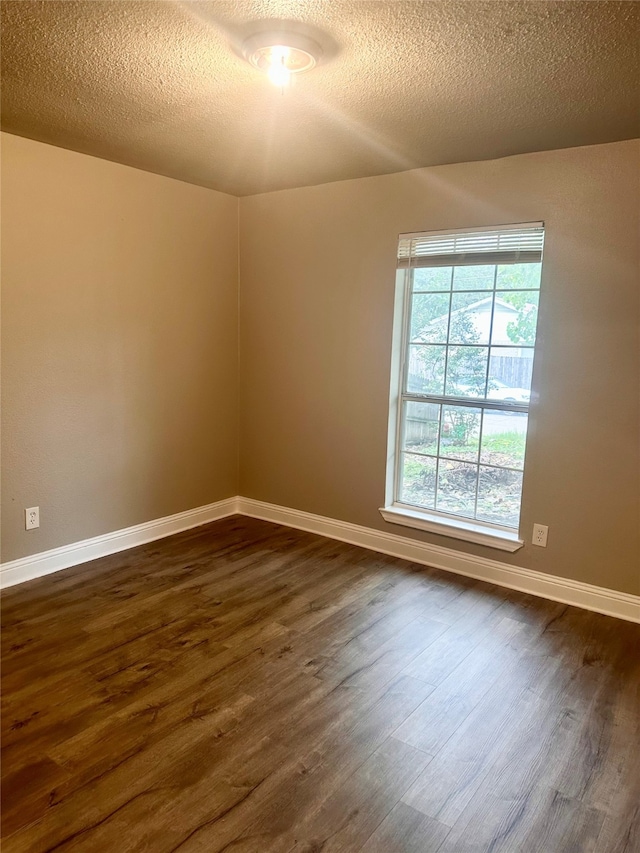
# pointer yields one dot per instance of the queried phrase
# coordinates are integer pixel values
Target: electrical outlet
(32, 518)
(540, 532)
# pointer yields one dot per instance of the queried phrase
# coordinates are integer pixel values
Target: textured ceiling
(159, 85)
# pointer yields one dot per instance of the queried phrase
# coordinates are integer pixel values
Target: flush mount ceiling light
(281, 55)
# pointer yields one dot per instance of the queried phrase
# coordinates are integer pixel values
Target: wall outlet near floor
(540, 532)
(32, 518)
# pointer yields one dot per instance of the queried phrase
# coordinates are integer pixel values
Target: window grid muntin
(493, 311)
(444, 386)
(475, 502)
(484, 346)
(486, 290)
(511, 468)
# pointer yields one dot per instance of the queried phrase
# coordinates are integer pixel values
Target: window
(464, 338)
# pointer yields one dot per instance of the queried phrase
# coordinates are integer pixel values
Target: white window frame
(395, 511)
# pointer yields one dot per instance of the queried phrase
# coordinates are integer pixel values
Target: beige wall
(119, 346)
(316, 300)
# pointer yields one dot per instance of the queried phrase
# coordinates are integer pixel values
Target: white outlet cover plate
(540, 533)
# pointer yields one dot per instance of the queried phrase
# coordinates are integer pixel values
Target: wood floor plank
(246, 687)
(352, 813)
(449, 782)
(312, 774)
(26, 793)
(538, 820)
(620, 831)
(446, 708)
(406, 830)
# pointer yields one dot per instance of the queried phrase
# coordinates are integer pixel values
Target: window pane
(504, 435)
(418, 480)
(499, 496)
(431, 278)
(518, 276)
(425, 374)
(456, 488)
(421, 427)
(471, 337)
(430, 317)
(510, 370)
(474, 277)
(460, 434)
(515, 318)
(470, 318)
(466, 371)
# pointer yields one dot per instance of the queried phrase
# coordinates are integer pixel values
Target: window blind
(510, 245)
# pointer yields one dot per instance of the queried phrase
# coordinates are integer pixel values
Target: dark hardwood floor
(250, 688)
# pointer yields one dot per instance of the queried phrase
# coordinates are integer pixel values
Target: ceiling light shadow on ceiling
(244, 37)
(241, 35)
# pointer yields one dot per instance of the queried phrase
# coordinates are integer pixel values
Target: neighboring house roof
(481, 313)
(475, 308)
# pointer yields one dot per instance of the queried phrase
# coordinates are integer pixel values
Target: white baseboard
(28, 568)
(602, 600)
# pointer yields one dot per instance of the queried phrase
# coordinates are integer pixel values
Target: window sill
(456, 528)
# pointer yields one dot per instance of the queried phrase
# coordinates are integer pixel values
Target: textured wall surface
(317, 269)
(160, 86)
(119, 346)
